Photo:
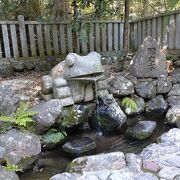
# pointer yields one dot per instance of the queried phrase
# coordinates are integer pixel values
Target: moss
(70, 117)
(76, 167)
(52, 138)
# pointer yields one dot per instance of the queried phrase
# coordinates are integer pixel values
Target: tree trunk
(61, 10)
(144, 8)
(126, 28)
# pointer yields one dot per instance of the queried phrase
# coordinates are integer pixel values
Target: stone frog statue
(76, 79)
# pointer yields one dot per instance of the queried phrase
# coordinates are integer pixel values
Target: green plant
(53, 136)
(21, 118)
(11, 167)
(129, 103)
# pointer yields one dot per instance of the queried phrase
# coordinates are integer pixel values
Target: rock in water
(79, 147)
(141, 130)
(108, 115)
(149, 61)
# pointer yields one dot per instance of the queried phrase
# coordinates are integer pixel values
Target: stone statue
(149, 61)
(76, 79)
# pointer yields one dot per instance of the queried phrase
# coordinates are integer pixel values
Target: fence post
(0, 50)
(23, 37)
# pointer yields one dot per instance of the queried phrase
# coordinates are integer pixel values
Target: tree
(144, 7)
(126, 31)
(10, 9)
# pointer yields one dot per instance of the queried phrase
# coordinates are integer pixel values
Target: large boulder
(47, 114)
(108, 115)
(97, 175)
(100, 162)
(149, 61)
(173, 115)
(121, 86)
(75, 115)
(141, 130)
(157, 104)
(20, 147)
(7, 175)
(170, 137)
(146, 90)
(155, 152)
(8, 100)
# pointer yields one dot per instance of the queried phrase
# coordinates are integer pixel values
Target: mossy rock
(75, 115)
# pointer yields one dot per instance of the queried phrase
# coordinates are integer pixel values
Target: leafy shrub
(53, 137)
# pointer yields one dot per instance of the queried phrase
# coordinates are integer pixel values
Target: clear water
(54, 162)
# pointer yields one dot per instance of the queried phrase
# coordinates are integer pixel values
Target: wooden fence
(165, 28)
(31, 38)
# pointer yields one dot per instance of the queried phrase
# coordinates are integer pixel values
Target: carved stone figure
(76, 79)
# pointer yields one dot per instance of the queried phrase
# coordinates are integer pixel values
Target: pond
(56, 161)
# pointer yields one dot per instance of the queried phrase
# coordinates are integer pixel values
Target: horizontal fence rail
(31, 38)
(165, 28)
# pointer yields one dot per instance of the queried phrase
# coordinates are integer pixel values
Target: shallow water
(54, 162)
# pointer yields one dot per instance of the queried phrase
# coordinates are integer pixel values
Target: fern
(129, 103)
(22, 116)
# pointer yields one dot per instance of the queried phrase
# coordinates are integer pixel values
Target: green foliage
(22, 117)
(11, 167)
(129, 103)
(53, 136)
